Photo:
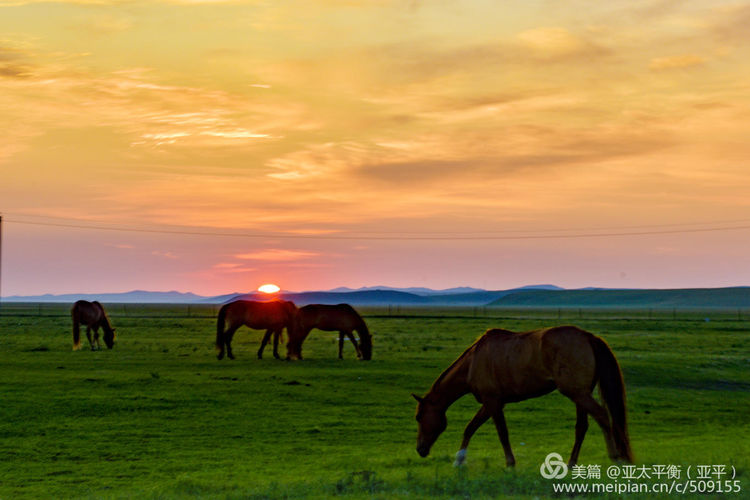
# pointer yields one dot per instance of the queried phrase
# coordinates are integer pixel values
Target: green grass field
(159, 417)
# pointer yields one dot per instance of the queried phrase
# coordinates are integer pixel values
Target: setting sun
(268, 288)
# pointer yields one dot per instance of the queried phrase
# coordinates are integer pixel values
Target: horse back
(88, 313)
(517, 366)
(329, 317)
(569, 353)
(259, 315)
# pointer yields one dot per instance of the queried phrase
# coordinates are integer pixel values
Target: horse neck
(104, 322)
(452, 383)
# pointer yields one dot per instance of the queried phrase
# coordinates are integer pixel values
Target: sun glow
(269, 288)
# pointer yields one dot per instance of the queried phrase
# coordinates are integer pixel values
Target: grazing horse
(505, 367)
(272, 316)
(92, 315)
(340, 318)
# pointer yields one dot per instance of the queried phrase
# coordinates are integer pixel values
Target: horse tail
(220, 327)
(76, 328)
(612, 388)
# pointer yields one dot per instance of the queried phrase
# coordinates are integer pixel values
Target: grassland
(160, 417)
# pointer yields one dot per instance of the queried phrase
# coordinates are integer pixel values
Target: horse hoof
(460, 458)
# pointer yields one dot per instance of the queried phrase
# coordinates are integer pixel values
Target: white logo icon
(553, 467)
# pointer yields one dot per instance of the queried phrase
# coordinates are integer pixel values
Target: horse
(272, 316)
(93, 315)
(506, 367)
(340, 318)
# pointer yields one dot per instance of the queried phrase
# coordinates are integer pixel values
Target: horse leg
(502, 431)
(88, 336)
(276, 336)
(76, 334)
(480, 418)
(589, 404)
(582, 425)
(220, 342)
(354, 341)
(228, 340)
(263, 343)
(96, 339)
(348, 334)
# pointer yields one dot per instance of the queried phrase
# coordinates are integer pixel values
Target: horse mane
(105, 319)
(459, 359)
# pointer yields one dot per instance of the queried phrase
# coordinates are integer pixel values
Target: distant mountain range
(132, 297)
(527, 296)
(361, 296)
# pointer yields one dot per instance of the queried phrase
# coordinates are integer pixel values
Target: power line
(713, 225)
(558, 234)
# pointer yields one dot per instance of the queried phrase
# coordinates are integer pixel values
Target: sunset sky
(212, 146)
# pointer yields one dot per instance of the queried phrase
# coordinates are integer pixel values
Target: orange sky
(364, 142)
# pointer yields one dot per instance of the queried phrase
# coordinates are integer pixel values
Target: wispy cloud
(232, 267)
(676, 62)
(277, 255)
(166, 255)
(13, 60)
(552, 43)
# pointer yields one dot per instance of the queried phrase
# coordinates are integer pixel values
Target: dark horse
(504, 367)
(92, 315)
(272, 316)
(340, 318)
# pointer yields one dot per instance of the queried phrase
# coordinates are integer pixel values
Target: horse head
(294, 345)
(431, 422)
(109, 337)
(365, 347)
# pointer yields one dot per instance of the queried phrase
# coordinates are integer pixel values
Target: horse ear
(418, 398)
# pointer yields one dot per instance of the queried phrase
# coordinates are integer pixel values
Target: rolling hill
(672, 298)
(533, 296)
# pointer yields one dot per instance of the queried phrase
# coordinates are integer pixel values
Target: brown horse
(504, 367)
(340, 318)
(272, 316)
(92, 315)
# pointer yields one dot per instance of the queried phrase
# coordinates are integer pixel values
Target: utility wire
(670, 227)
(558, 234)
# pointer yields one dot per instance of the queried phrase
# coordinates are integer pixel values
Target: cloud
(555, 43)
(8, 70)
(166, 255)
(15, 3)
(105, 24)
(277, 255)
(676, 62)
(731, 24)
(147, 113)
(14, 61)
(232, 267)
